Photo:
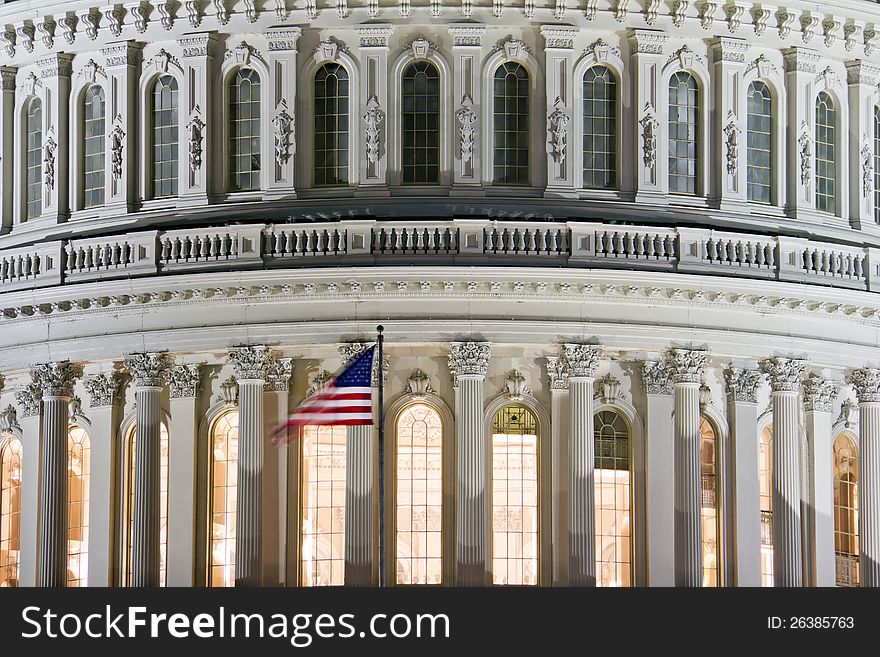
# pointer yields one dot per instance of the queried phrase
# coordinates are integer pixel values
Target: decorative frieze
(56, 379)
(801, 60)
(686, 365)
(149, 369)
(103, 389)
(184, 380)
(866, 382)
(728, 49)
(820, 393)
(284, 39)
(785, 374)
(374, 36)
(195, 45)
(469, 358)
(647, 42)
(557, 36)
(467, 35)
(657, 378)
(743, 384)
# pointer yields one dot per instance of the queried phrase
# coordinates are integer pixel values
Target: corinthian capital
(278, 374)
(351, 350)
(469, 358)
(56, 379)
(785, 373)
(250, 362)
(657, 378)
(866, 381)
(686, 365)
(184, 380)
(742, 385)
(149, 369)
(29, 399)
(557, 372)
(819, 393)
(103, 388)
(582, 359)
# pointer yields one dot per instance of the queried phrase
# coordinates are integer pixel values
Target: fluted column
(557, 374)
(686, 367)
(468, 362)
(785, 377)
(582, 361)
(867, 385)
(55, 380)
(250, 364)
(149, 371)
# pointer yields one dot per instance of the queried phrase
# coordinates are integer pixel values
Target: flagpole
(381, 405)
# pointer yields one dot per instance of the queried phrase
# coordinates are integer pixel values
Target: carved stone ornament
(29, 399)
(582, 359)
(326, 50)
(195, 128)
(657, 378)
(557, 372)
(650, 125)
(117, 140)
(278, 374)
(149, 369)
(467, 121)
(56, 379)
(9, 419)
(318, 383)
(351, 350)
(686, 365)
(221, 11)
(514, 48)
(284, 123)
(103, 389)
(242, 54)
(420, 385)
(819, 393)
(74, 408)
(867, 159)
(866, 381)
(607, 389)
(184, 380)
(731, 142)
(229, 392)
(805, 150)
(420, 48)
(705, 395)
(250, 362)
(849, 414)
(742, 385)
(557, 131)
(785, 374)
(469, 358)
(373, 117)
(515, 386)
(49, 149)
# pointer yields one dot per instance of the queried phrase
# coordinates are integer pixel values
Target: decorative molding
(467, 120)
(729, 49)
(46, 26)
(68, 23)
(830, 29)
(784, 21)
(809, 25)
(318, 382)
(90, 18)
(104, 389)
(117, 141)
(650, 126)
(607, 389)
(74, 408)
(763, 66)
(819, 394)
(707, 13)
(374, 36)
(867, 159)
(591, 9)
(582, 360)
(166, 12)
(657, 378)
(559, 36)
(686, 57)
(195, 128)
(250, 362)
(512, 48)
(278, 374)
(871, 38)
(734, 16)
(760, 17)
(866, 382)
(849, 414)
(25, 32)
(742, 384)
(851, 34)
(731, 142)
(557, 372)
(283, 39)
(469, 358)
(114, 14)
(9, 420)
(149, 369)
(229, 392)
(557, 131)
(785, 374)
(373, 116)
(805, 150)
(284, 123)
(800, 59)
(56, 379)
(515, 386)
(184, 380)
(466, 34)
(679, 9)
(686, 365)
(49, 148)
(243, 53)
(222, 12)
(7, 38)
(29, 399)
(419, 385)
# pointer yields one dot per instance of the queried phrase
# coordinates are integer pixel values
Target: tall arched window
(224, 487)
(515, 496)
(826, 148)
(34, 159)
(759, 143)
(331, 125)
(163, 501)
(613, 500)
(600, 128)
(877, 163)
(77, 506)
(323, 505)
(711, 505)
(93, 146)
(419, 496)
(846, 510)
(684, 127)
(244, 131)
(166, 143)
(765, 487)
(10, 510)
(420, 145)
(511, 125)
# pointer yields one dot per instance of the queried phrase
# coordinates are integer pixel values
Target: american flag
(346, 399)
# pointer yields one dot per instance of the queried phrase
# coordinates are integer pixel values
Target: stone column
(650, 150)
(686, 367)
(582, 361)
(729, 129)
(29, 400)
(55, 380)
(7, 141)
(196, 129)
(867, 384)
(282, 64)
(745, 543)
(862, 78)
(785, 376)
(373, 111)
(468, 363)
(800, 74)
(819, 397)
(559, 67)
(275, 497)
(149, 371)
(557, 374)
(250, 364)
(466, 93)
(660, 474)
(123, 61)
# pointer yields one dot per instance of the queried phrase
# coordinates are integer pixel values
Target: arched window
(163, 501)
(511, 125)
(826, 148)
(224, 486)
(244, 131)
(846, 510)
(421, 124)
(323, 505)
(419, 496)
(613, 500)
(34, 159)
(166, 143)
(877, 163)
(765, 487)
(77, 506)
(759, 143)
(684, 127)
(711, 505)
(515, 496)
(93, 147)
(10, 511)
(331, 125)
(600, 128)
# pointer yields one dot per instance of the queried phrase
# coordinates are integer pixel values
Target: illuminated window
(759, 146)
(710, 466)
(323, 505)
(421, 124)
(93, 147)
(331, 125)
(77, 506)
(511, 125)
(515, 496)
(684, 142)
(826, 147)
(846, 510)
(10, 511)
(163, 502)
(165, 138)
(765, 482)
(600, 128)
(244, 131)
(419, 496)
(224, 486)
(613, 504)
(34, 159)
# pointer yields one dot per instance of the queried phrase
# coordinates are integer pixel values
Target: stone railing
(473, 241)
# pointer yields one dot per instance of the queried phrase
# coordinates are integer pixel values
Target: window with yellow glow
(514, 496)
(163, 502)
(323, 505)
(10, 511)
(765, 482)
(419, 525)
(613, 504)
(711, 503)
(224, 485)
(77, 506)
(846, 511)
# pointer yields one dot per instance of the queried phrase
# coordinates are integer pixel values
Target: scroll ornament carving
(149, 369)
(420, 385)
(469, 358)
(9, 419)
(319, 381)
(467, 119)
(805, 149)
(557, 372)
(196, 129)
(731, 141)
(649, 125)
(229, 391)
(373, 117)
(49, 149)
(117, 139)
(515, 385)
(849, 414)
(557, 131)
(284, 123)
(867, 159)
(607, 389)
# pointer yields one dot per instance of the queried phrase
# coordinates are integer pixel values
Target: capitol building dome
(626, 254)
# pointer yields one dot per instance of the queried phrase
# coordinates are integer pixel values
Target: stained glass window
(331, 125)
(711, 503)
(77, 506)
(600, 128)
(421, 123)
(846, 511)
(684, 124)
(93, 147)
(759, 146)
(826, 147)
(224, 486)
(34, 159)
(244, 131)
(166, 143)
(613, 504)
(765, 483)
(511, 125)
(10, 511)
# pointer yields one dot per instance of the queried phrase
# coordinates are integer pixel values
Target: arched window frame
(765, 423)
(27, 90)
(842, 430)
(723, 491)
(760, 71)
(8, 437)
(82, 80)
(831, 84)
(215, 420)
(81, 422)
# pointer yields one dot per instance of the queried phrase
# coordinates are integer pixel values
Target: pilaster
(122, 59)
(862, 79)
(557, 374)
(197, 130)
(729, 130)
(800, 74)
(559, 67)
(7, 145)
(282, 65)
(55, 73)
(373, 115)
(467, 66)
